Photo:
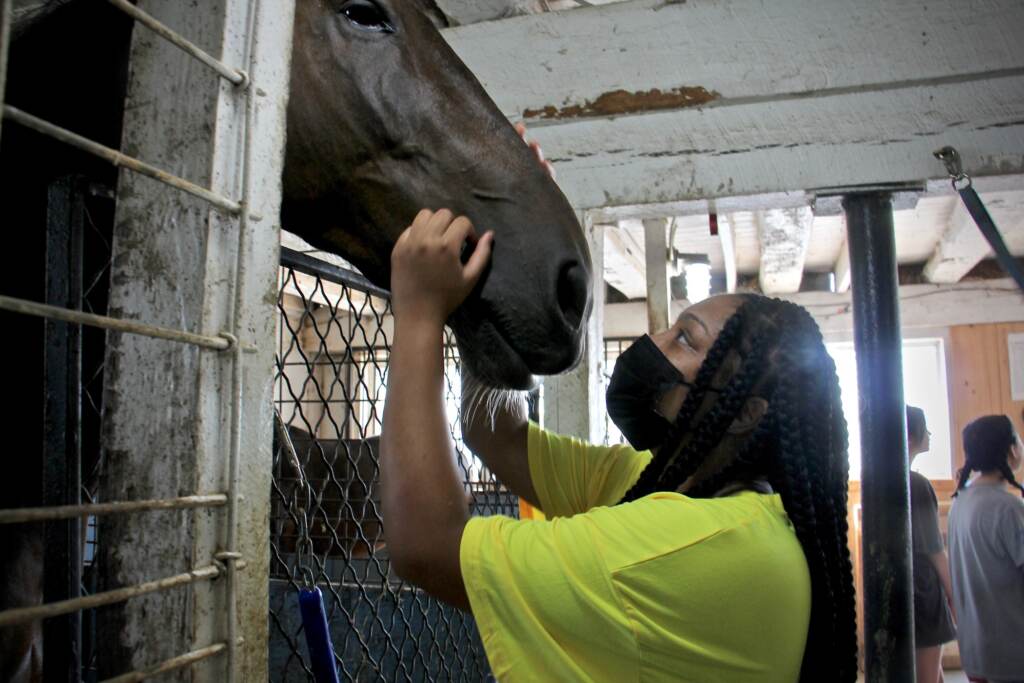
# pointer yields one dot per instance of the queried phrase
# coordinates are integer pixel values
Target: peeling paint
(618, 102)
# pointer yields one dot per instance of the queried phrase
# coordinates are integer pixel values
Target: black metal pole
(62, 561)
(885, 471)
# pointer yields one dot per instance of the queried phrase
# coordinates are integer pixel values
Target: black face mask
(641, 377)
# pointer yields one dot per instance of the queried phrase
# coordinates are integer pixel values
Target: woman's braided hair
(799, 446)
(987, 442)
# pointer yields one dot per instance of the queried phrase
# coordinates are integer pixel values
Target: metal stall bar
(885, 469)
(40, 514)
(118, 159)
(62, 447)
(305, 263)
(170, 35)
(221, 343)
(169, 665)
(23, 614)
(5, 44)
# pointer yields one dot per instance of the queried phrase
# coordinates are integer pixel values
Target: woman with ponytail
(986, 552)
(713, 549)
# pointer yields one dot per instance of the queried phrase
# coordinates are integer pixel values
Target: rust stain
(618, 102)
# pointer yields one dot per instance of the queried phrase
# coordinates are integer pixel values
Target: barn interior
(706, 147)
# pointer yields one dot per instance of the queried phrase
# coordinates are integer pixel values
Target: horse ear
(436, 14)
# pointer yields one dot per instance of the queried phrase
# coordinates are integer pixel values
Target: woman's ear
(754, 408)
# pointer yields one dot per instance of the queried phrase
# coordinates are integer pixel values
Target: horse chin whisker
(505, 400)
(491, 400)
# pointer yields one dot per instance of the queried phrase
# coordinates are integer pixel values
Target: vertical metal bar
(62, 410)
(888, 593)
(5, 45)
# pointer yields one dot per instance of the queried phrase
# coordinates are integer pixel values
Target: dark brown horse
(383, 119)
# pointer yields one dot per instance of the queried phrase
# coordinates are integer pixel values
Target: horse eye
(367, 16)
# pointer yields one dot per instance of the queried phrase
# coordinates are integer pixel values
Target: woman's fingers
(459, 231)
(439, 222)
(474, 268)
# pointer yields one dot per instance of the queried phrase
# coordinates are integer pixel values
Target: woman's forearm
(424, 502)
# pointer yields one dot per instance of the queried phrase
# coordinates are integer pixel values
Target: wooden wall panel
(979, 378)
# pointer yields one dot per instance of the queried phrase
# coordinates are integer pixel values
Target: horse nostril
(572, 293)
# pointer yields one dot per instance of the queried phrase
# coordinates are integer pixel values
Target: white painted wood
(841, 270)
(964, 303)
(656, 258)
(960, 248)
(784, 235)
(573, 402)
(757, 147)
(962, 245)
(572, 58)
(921, 306)
(827, 236)
(624, 267)
(856, 104)
(168, 406)
(728, 241)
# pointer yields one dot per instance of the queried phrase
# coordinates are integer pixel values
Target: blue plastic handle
(318, 636)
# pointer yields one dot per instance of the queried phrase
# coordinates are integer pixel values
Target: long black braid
(799, 447)
(987, 442)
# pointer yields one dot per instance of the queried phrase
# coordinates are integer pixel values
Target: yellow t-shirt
(666, 588)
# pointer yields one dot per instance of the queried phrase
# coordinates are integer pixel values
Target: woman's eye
(367, 16)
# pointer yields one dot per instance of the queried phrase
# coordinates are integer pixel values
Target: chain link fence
(332, 364)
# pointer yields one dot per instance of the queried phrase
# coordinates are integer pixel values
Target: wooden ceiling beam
(624, 261)
(632, 112)
(962, 245)
(784, 235)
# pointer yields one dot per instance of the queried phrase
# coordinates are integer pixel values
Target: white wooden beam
(624, 266)
(921, 306)
(760, 147)
(753, 121)
(784, 235)
(728, 239)
(465, 12)
(841, 270)
(962, 245)
(610, 60)
(656, 258)
(960, 248)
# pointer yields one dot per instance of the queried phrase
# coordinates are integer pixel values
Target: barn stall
(174, 504)
(732, 165)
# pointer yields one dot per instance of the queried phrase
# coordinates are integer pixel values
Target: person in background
(986, 550)
(933, 590)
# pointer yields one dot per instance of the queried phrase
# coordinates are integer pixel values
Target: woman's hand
(538, 152)
(428, 277)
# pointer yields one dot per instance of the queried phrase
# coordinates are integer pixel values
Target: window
(924, 386)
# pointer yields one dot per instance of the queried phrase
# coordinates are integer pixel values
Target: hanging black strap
(962, 184)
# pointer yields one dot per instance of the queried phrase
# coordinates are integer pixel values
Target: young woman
(986, 553)
(933, 591)
(717, 555)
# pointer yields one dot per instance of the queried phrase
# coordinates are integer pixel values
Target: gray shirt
(986, 557)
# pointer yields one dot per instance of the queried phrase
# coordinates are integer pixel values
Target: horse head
(383, 120)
